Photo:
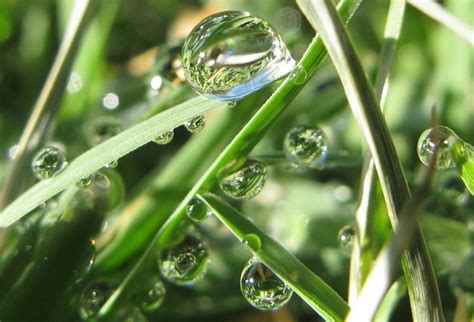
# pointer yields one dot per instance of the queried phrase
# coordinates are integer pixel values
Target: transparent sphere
(164, 138)
(93, 297)
(48, 162)
(432, 138)
(306, 146)
(262, 288)
(243, 179)
(195, 124)
(346, 236)
(197, 210)
(150, 296)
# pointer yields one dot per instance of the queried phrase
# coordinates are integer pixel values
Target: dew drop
(186, 262)
(243, 179)
(92, 299)
(103, 129)
(298, 75)
(432, 138)
(197, 210)
(150, 297)
(84, 182)
(196, 124)
(164, 138)
(231, 54)
(262, 288)
(346, 236)
(112, 164)
(253, 241)
(231, 104)
(48, 162)
(306, 146)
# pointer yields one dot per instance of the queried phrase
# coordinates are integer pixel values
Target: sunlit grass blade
(419, 273)
(103, 154)
(48, 101)
(463, 155)
(312, 289)
(434, 10)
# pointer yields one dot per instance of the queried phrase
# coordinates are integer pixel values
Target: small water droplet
(231, 104)
(150, 297)
(231, 54)
(262, 288)
(197, 210)
(306, 146)
(346, 236)
(243, 180)
(110, 101)
(103, 129)
(164, 138)
(253, 241)
(298, 75)
(185, 262)
(196, 124)
(432, 138)
(92, 299)
(84, 182)
(112, 165)
(48, 162)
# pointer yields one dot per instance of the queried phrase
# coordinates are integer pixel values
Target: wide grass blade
(105, 153)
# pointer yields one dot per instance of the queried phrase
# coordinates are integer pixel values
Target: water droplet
(462, 278)
(231, 54)
(110, 101)
(103, 129)
(243, 180)
(306, 146)
(196, 124)
(48, 162)
(346, 236)
(112, 164)
(436, 137)
(253, 241)
(164, 138)
(185, 262)
(92, 299)
(84, 182)
(74, 84)
(150, 297)
(197, 210)
(298, 75)
(231, 104)
(262, 288)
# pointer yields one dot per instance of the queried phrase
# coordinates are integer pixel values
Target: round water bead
(197, 210)
(231, 54)
(92, 299)
(253, 241)
(84, 182)
(243, 179)
(262, 288)
(48, 162)
(196, 124)
(164, 138)
(112, 164)
(185, 262)
(346, 236)
(436, 137)
(150, 298)
(103, 129)
(306, 146)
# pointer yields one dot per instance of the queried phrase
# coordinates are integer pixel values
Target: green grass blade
(434, 10)
(104, 153)
(242, 144)
(312, 289)
(463, 156)
(419, 273)
(48, 101)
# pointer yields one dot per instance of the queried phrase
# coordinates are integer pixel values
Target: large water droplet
(48, 162)
(196, 124)
(262, 288)
(232, 54)
(103, 129)
(150, 297)
(432, 138)
(253, 241)
(164, 138)
(306, 146)
(243, 179)
(92, 299)
(197, 210)
(185, 262)
(346, 236)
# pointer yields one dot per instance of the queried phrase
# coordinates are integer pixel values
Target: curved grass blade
(312, 289)
(419, 273)
(104, 153)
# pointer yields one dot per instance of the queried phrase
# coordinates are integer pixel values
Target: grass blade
(419, 273)
(314, 291)
(106, 152)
